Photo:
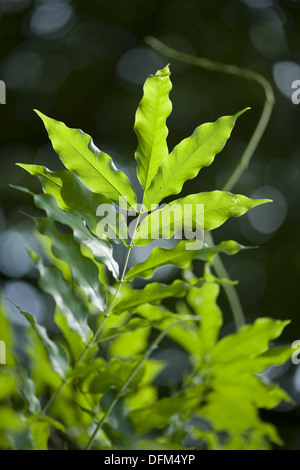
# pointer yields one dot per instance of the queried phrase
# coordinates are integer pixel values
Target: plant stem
(100, 328)
(230, 291)
(251, 147)
(245, 159)
(146, 356)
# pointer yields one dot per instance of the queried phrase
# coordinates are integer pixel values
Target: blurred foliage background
(84, 62)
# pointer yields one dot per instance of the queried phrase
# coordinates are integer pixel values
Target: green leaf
(219, 411)
(114, 332)
(101, 249)
(27, 386)
(74, 341)
(204, 302)
(250, 341)
(52, 282)
(156, 445)
(84, 272)
(272, 357)
(57, 356)
(93, 167)
(158, 414)
(113, 375)
(218, 207)
(188, 157)
(40, 433)
(131, 343)
(184, 329)
(72, 196)
(150, 126)
(152, 293)
(180, 256)
(250, 388)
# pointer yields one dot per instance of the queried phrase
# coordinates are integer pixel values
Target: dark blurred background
(84, 62)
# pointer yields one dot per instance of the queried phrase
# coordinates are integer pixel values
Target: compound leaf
(188, 157)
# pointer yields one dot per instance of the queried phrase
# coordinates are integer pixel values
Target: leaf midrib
(89, 162)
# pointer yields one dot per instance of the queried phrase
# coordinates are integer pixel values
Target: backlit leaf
(93, 167)
(188, 157)
(180, 256)
(150, 125)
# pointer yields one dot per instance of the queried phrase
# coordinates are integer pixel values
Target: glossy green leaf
(72, 196)
(218, 207)
(131, 343)
(180, 256)
(52, 282)
(57, 356)
(84, 272)
(219, 412)
(158, 414)
(188, 157)
(204, 302)
(26, 384)
(184, 329)
(250, 341)
(150, 126)
(75, 343)
(113, 376)
(272, 357)
(250, 388)
(93, 167)
(101, 249)
(153, 293)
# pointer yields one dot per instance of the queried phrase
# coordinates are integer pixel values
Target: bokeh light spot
(137, 64)
(268, 217)
(285, 73)
(50, 17)
(27, 297)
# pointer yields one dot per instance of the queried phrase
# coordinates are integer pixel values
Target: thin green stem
(100, 327)
(131, 376)
(251, 147)
(54, 396)
(245, 159)
(230, 291)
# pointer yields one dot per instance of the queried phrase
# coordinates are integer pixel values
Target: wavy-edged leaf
(93, 167)
(157, 415)
(184, 329)
(152, 293)
(249, 341)
(150, 126)
(249, 387)
(272, 357)
(101, 249)
(180, 256)
(75, 342)
(114, 374)
(204, 302)
(188, 157)
(218, 207)
(130, 344)
(27, 385)
(56, 354)
(72, 196)
(75, 311)
(84, 272)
